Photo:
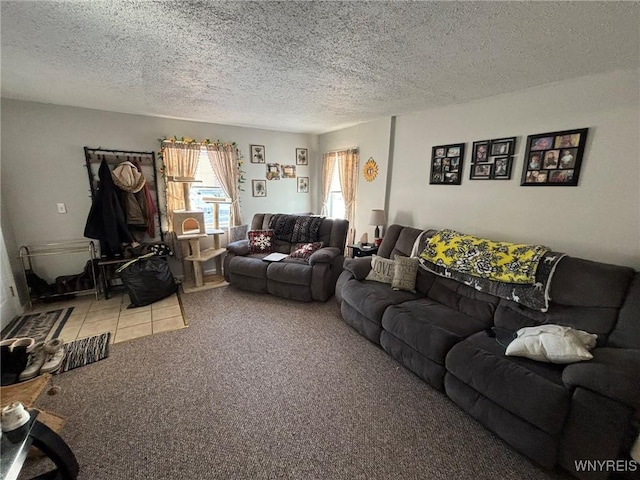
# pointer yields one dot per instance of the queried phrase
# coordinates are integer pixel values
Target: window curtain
(328, 164)
(348, 174)
(224, 162)
(180, 160)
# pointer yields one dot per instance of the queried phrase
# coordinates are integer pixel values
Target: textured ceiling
(302, 66)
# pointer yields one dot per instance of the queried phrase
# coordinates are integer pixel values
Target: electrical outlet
(62, 208)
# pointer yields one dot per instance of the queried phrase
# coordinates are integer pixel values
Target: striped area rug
(41, 326)
(85, 351)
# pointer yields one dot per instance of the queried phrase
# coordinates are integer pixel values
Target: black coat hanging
(106, 221)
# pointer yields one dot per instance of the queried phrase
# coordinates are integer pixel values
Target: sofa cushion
(304, 250)
(613, 372)
(249, 266)
(463, 298)
(382, 269)
(261, 241)
(430, 327)
(370, 299)
(291, 272)
(532, 390)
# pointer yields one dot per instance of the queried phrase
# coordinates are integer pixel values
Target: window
(209, 186)
(336, 200)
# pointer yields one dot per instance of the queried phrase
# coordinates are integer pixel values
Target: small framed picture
(502, 146)
(446, 164)
(554, 158)
(535, 177)
(257, 154)
(303, 184)
(480, 153)
(273, 171)
(302, 156)
(288, 171)
(481, 171)
(502, 168)
(259, 188)
(453, 151)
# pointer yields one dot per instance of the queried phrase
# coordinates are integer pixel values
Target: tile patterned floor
(92, 317)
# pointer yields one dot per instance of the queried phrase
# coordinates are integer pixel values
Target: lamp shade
(377, 217)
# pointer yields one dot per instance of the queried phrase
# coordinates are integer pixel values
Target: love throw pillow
(261, 241)
(382, 269)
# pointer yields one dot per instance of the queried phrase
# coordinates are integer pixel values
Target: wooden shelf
(206, 254)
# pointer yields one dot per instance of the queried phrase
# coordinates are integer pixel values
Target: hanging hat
(127, 177)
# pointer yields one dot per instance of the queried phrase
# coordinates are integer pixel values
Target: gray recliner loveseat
(454, 336)
(304, 279)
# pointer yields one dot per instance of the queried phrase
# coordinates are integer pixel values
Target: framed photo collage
(551, 159)
(277, 171)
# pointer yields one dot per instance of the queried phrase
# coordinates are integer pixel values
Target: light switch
(62, 208)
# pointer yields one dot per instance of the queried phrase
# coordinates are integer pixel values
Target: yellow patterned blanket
(497, 261)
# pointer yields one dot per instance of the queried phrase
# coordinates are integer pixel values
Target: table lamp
(377, 218)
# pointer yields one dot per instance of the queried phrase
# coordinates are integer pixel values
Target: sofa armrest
(239, 247)
(324, 255)
(613, 372)
(359, 267)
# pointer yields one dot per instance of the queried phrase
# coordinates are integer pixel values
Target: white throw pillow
(382, 269)
(553, 344)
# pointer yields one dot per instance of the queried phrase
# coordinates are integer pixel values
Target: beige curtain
(348, 173)
(328, 164)
(224, 162)
(180, 160)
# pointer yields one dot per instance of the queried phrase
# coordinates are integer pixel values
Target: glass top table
(14, 447)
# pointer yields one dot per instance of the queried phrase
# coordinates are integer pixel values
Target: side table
(15, 446)
(360, 250)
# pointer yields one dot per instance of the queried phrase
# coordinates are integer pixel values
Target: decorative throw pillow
(304, 250)
(382, 269)
(261, 241)
(404, 273)
(552, 344)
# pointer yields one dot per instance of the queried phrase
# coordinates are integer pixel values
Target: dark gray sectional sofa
(297, 279)
(444, 333)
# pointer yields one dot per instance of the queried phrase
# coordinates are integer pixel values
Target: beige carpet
(262, 388)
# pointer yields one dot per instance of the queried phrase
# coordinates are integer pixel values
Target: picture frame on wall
(446, 164)
(503, 146)
(554, 158)
(481, 171)
(480, 152)
(497, 153)
(258, 154)
(259, 188)
(302, 156)
(273, 171)
(288, 171)
(502, 168)
(303, 184)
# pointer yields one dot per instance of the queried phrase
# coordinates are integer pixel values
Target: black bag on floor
(147, 280)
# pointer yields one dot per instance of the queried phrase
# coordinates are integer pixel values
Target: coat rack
(94, 156)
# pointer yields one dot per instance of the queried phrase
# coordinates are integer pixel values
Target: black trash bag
(147, 279)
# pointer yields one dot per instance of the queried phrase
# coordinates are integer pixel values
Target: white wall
(372, 139)
(599, 219)
(43, 164)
